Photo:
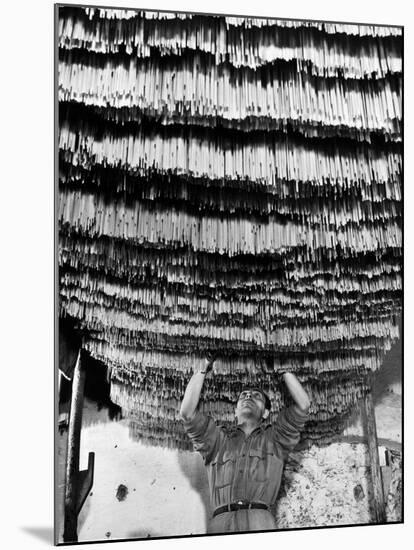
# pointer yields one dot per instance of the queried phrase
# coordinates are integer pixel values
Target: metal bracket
(85, 482)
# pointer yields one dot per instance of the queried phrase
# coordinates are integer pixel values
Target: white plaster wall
(388, 417)
(158, 486)
(167, 490)
(387, 399)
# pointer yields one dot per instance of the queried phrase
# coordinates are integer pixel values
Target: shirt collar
(237, 430)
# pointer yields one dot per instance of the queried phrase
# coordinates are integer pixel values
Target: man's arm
(298, 393)
(291, 420)
(201, 429)
(193, 390)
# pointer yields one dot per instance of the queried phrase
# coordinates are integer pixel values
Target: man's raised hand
(210, 358)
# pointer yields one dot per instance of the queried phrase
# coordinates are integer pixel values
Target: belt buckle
(242, 502)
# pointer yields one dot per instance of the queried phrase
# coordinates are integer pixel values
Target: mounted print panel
(229, 212)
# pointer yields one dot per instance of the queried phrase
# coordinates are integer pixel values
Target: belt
(239, 505)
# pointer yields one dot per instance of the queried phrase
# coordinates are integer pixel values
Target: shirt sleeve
(204, 434)
(287, 428)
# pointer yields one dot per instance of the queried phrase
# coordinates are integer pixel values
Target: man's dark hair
(268, 404)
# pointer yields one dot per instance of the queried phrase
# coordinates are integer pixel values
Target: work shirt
(245, 467)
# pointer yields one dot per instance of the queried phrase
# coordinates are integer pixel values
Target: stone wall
(331, 486)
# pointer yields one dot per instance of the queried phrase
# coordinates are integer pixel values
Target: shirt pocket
(264, 465)
(223, 470)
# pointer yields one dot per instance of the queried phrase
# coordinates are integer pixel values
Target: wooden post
(59, 383)
(371, 432)
(70, 533)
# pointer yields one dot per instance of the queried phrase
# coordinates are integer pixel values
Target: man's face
(251, 404)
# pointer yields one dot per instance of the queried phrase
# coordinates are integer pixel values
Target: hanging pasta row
(349, 55)
(192, 88)
(244, 21)
(133, 262)
(89, 214)
(264, 162)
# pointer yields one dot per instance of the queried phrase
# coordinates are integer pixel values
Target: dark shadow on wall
(83, 514)
(192, 467)
(391, 369)
(97, 390)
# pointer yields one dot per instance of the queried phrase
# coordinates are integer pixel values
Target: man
(244, 464)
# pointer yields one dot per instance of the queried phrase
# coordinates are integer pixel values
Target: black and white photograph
(229, 273)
